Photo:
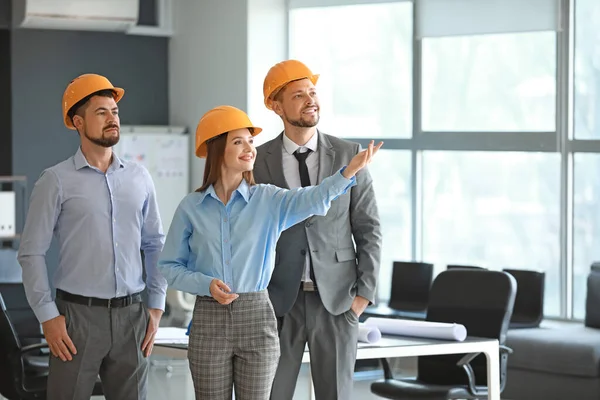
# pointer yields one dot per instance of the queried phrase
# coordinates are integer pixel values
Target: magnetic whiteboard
(166, 156)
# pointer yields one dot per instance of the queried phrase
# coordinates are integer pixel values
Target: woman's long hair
(215, 148)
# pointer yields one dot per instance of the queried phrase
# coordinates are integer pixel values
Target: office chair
(482, 301)
(21, 315)
(592, 301)
(528, 311)
(26, 324)
(17, 380)
(411, 281)
(459, 266)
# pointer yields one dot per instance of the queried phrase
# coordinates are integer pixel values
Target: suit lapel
(326, 158)
(274, 162)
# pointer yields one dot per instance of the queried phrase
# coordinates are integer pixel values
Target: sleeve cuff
(362, 291)
(344, 182)
(157, 301)
(46, 312)
(204, 285)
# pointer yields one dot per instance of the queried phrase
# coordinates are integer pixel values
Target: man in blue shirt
(102, 211)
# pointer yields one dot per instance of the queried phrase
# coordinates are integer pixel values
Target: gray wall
(214, 63)
(5, 113)
(5, 104)
(5, 14)
(45, 61)
(208, 63)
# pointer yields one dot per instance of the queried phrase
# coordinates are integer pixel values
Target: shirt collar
(81, 162)
(243, 189)
(291, 147)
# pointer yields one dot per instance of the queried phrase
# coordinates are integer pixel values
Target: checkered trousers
(235, 345)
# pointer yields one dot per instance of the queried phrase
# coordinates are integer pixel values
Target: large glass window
(586, 225)
(495, 210)
(504, 82)
(587, 70)
(391, 174)
(489, 208)
(364, 56)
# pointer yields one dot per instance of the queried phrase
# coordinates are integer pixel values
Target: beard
(303, 123)
(103, 140)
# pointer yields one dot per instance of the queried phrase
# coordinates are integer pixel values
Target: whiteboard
(166, 156)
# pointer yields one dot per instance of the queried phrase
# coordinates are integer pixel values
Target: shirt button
(226, 240)
(116, 244)
(224, 219)
(227, 262)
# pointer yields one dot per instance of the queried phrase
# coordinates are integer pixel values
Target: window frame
(559, 141)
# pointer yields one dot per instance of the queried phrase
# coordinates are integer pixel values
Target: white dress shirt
(292, 173)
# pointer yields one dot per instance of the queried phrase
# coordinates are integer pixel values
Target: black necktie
(305, 181)
(303, 169)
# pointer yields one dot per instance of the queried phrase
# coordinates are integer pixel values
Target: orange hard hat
(81, 87)
(283, 73)
(221, 120)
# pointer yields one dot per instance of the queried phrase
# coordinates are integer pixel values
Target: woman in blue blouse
(221, 247)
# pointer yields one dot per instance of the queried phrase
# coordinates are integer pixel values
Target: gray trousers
(332, 342)
(233, 346)
(108, 343)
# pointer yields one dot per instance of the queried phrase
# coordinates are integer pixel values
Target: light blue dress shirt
(101, 222)
(236, 242)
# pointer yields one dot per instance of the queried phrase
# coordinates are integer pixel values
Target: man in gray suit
(322, 282)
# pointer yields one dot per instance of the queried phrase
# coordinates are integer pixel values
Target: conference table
(172, 343)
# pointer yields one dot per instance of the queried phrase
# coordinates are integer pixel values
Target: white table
(387, 347)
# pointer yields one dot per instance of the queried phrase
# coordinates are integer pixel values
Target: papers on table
(368, 334)
(169, 335)
(424, 329)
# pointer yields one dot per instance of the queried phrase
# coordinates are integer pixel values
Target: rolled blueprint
(424, 329)
(368, 334)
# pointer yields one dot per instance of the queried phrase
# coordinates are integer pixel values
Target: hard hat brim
(119, 93)
(269, 100)
(202, 150)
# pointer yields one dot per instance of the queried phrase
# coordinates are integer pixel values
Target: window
(586, 225)
(587, 70)
(364, 56)
(391, 174)
(492, 83)
(496, 210)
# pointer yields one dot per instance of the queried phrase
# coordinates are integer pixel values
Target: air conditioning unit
(83, 15)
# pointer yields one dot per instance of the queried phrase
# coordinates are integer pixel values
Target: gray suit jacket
(341, 270)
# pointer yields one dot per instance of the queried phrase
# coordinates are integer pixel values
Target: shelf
(10, 238)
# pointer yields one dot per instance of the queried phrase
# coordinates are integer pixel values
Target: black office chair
(411, 282)
(461, 266)
(482, 301)
(529, 302)
(25, 322)
(592, 310)
(17, 381)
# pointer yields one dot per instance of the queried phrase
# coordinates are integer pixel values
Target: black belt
(94, 301)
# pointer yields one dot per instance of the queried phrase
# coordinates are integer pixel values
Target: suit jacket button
(308, 224)
(303, 252)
